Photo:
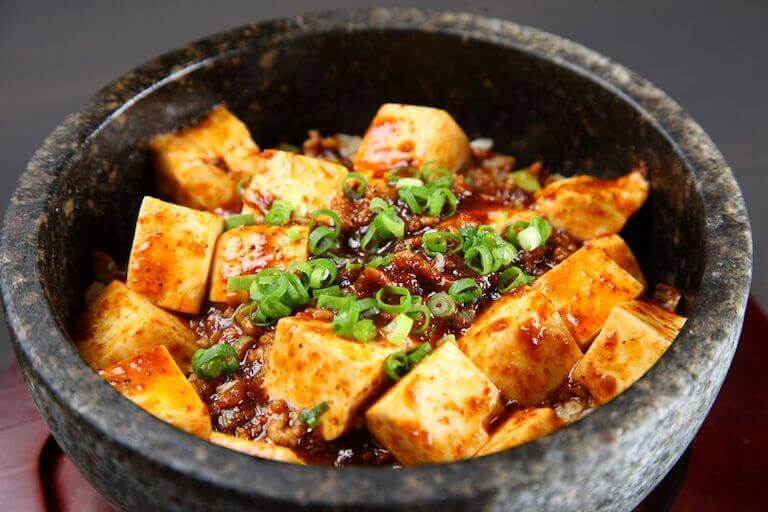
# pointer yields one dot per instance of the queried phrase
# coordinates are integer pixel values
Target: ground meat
(540, 260)
(284, 426)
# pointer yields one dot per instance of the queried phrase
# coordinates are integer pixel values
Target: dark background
(708, 55)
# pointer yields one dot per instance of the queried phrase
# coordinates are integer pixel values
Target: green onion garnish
(441, 305)
(529, 238)
(440, 242)
(441, 203)
(436, 174)
(354, 185)
(311, 417)
(240, 186)
(465, 291)
(544, 228)
(512, 278)
(209, 363)
(529, 235)
(526, 180)
(235, 221)
(364, 330)
(346, 318)
(379, 261)
(279, 213)
(393, 291)
(385, 226)
(415, 197)
(448, 338)
(398, 329)
(240, 283)
(396, 365)
(419, 353)
(332, 302)
(321, 240)
(293, 233)
(422, 316)
(409, 182)
(334, 290)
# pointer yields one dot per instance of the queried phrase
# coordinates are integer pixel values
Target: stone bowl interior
(537, 96)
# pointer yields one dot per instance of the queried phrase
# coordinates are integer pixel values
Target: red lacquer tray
(723, 470)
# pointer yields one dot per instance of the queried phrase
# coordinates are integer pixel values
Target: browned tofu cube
(248, 249)
(584, 288)
(154, 382)
(522, 427)
(309, 364)
(307, 183)
(439, 412)
(260, 448)
(634, 337)
(587, 207)
(171, 254)
(618, 250)
(522, 345)
(498, 217)
(408, 135)
(120, 323)
(200, 166)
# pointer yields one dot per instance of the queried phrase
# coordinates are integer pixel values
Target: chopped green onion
(419, 353)
(285, 146)
(321, 240)
(543, 227)
(368, 307)
(512, 278)
(529, 238)
(209, 363)
(332, 302)
(526, 180)
(422, 317)
(334, 290)
(416, 198)
(331, 215)
(277, 294)
(396, 365)
(378, 205)
(346, 318)
(293, 233)
(364, 330)
(436, 174)
(369, 242)
(354, 185)
(409, 182)
(479, 259)
(439, 242)
(448, 338)
(394, 291)
(441, 305)
(441, 203)
(311, 417)
(240, 283)
(323, 273)
(379, 261)
(235, 221)
(240, 185)
(279, 213)
(465, 291)
(513, 230)
(398, 329)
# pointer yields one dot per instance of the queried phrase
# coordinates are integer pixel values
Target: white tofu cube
(522, 345)
(154, 382)
(259, 448)
(171, 254)
(308, 364)
(522, 427)
(587, 207)
(248, 249)
(200, 166)
(618, 250)
(584, 288)
(636, 334)
(439, 412)
(307, 183)
(120, 323)
(409, 135)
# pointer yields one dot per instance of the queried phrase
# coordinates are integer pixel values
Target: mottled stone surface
(536, 94)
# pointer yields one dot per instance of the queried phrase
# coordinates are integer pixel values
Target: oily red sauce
(238, 403)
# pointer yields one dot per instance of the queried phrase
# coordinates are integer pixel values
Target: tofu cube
(634, 337)
(522, 427)
(587, 207)
(498, 217)
(307, 183)
(120, 323)
(171, 254)
(309, 364)
(200, 166)
(154, 382)
(260, 448)
(584, 288)
(439, 412)
(618, 250)
(409, 135)
(522, 345)
(248, 249)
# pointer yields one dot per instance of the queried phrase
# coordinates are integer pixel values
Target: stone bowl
(535, 94)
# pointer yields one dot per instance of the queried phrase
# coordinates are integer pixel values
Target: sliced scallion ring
(235, 221)
(529, 238)
(393, 291)
(465, 291)
(513, 277)
(354, 185)
(441, 305)
(279, 213)
(398, 329)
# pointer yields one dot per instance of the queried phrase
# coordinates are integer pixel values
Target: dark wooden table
(723, 470)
